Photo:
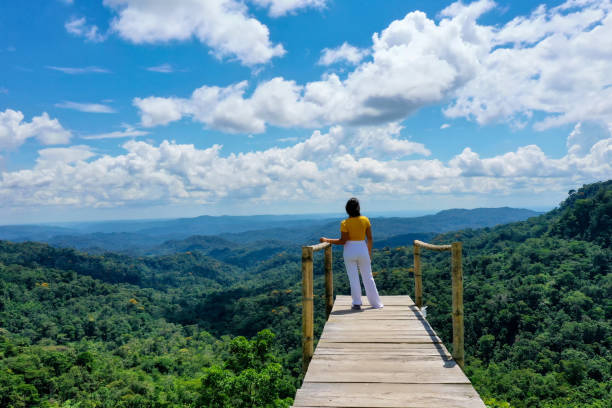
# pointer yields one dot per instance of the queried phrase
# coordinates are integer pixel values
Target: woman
(357, 255)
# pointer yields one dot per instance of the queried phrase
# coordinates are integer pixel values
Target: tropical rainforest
(209, 322)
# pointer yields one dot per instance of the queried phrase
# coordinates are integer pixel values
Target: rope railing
(457, 290)
(308, 297)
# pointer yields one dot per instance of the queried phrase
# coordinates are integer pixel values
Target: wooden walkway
(377, 358)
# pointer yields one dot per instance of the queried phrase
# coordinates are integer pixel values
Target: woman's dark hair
(352, 207)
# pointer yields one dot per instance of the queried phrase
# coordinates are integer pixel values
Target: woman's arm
(369, 236)
(340, 241)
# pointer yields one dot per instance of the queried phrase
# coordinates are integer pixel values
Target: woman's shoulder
(364, 220)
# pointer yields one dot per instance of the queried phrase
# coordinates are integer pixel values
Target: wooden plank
(342, 369)
(381, 338)
(346, 324)
(387, 300)
(329, 347)
(340, 306)
(360, 337)
(377, 395)
(375, 314)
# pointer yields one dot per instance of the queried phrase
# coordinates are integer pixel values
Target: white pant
(357, 259)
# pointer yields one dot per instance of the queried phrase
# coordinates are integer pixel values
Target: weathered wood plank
(398, 325)
(340, 322)
(372, 313)
(390, 348)
(387, 300)
(377, 395)
(340, 369)
(381, 338)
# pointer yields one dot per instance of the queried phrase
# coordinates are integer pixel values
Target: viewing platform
(388, 357)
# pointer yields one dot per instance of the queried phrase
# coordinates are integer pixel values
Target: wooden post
(307, 308)
(329, 282)
(457, 272)
(418, 282)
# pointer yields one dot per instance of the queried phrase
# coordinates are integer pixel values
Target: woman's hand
(322, 239)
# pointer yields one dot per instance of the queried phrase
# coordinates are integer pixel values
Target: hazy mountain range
(208, 233)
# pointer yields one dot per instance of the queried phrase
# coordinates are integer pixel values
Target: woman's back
(356, 227)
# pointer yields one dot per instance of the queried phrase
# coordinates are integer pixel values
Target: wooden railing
(308, 297)
(457, 288)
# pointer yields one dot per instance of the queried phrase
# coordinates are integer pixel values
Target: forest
(213, 323)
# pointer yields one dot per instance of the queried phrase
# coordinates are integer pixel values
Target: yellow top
(356, 227)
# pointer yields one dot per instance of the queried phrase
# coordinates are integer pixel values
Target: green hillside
(113, 330)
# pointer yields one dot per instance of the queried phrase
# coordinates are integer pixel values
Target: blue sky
(146, 108)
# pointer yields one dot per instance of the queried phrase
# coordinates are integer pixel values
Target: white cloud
(585, 136)
(163, 68)
(345, 52)
(415, 62)
(80, 28)
(64, 155)
(383, 142)
(281, 7)
(79, 70)
(219, 108)
(128, 131)
(445, 126)
(14, 131)
(555, 61)
(159, 111)
(223, 25)
(86, 107)
(325, 167)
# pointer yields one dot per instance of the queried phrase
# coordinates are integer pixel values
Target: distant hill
(32, 232)
(395, 228)
(160, 237)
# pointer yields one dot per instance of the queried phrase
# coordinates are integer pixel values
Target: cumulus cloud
(80, 28)
(217, 107)
(555, 61)
(86, 107)
(281, 7)
(345, 52)
(223, 25)
(67, 155)
(325, 166)
(415, 62)
(79, 70)
(384, 142)
(445, 126)
(14, 131)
